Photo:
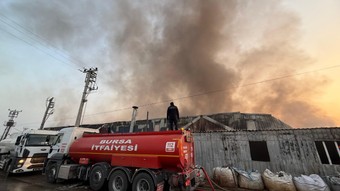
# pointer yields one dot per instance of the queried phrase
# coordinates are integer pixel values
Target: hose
(211, 182)
(208, 178)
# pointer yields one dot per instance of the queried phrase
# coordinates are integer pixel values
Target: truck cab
(66, 137)
(61, 145)
(26, 151)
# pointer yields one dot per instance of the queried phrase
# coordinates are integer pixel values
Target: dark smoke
(177, 57)
(157, 51)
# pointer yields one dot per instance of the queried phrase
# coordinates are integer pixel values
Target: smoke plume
(199, 54)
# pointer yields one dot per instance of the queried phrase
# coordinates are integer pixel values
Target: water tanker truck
(144, 161)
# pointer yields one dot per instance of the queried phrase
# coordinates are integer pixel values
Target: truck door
(55, 148)
(62, 142)
(19, 145)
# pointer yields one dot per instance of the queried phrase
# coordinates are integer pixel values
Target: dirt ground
(36, 182)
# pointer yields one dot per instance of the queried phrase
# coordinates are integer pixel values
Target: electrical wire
(203, 93)
(39, 40)
(43, 41)
(36, 47)
(220, 90)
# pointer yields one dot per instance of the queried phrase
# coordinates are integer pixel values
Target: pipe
(133, 118)
(208, 178)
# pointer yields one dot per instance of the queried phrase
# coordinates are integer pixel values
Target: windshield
(57, 139)
(40, 140)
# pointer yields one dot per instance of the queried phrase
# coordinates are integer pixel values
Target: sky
(275, 57)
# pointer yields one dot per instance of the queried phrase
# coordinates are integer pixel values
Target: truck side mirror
(17, 142)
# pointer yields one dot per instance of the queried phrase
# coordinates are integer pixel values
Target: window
(58, 139)
(321, 151)
(259, 151)
(17, 142)
(37, 140)
(328, 151)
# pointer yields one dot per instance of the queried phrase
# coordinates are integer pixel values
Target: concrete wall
(290, 150)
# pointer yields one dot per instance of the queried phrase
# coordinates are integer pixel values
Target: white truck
(66, 137)
(60, 147)
(26, 151)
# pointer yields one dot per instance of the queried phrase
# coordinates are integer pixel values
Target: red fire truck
(144, 161)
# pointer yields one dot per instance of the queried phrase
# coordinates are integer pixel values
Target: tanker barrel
(171, 150)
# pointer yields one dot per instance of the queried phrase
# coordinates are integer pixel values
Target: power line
(31, 44)
(25, 31)
(210, 92)
(36, 39)
(44, 40)
(148, 104)
(200, 94)
(221, 90)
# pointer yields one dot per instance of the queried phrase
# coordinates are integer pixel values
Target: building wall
(290, 150)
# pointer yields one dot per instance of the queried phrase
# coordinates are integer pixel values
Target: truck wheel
(143, 182)
(118, 181)
(51, 171)
(97, 178)
(7, 168)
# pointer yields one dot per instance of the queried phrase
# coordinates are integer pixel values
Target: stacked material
(334, 183)
(312, 182)
(249, 180)
(280, 181)
(230, 177)
(224, 176)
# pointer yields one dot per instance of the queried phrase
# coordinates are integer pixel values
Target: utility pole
(10, 123)
(49, 111)
(90, 85)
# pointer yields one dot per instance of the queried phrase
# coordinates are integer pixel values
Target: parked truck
(144, 161)
(26, 151)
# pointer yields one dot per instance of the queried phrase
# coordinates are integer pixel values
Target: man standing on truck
(172, 116)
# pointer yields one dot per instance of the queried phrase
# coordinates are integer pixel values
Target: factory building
(251, 142)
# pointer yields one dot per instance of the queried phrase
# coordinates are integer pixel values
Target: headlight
(20, 163)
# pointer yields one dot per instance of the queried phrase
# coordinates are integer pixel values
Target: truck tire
(118, 181)
(143, 182)
(97, 177)
(51, 171)
(7, 168)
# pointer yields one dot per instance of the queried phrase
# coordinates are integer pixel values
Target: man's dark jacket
(173, 113)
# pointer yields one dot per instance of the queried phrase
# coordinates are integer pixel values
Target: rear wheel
(51, 171)
(97, 177)
(118, 181)
(143, 182)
